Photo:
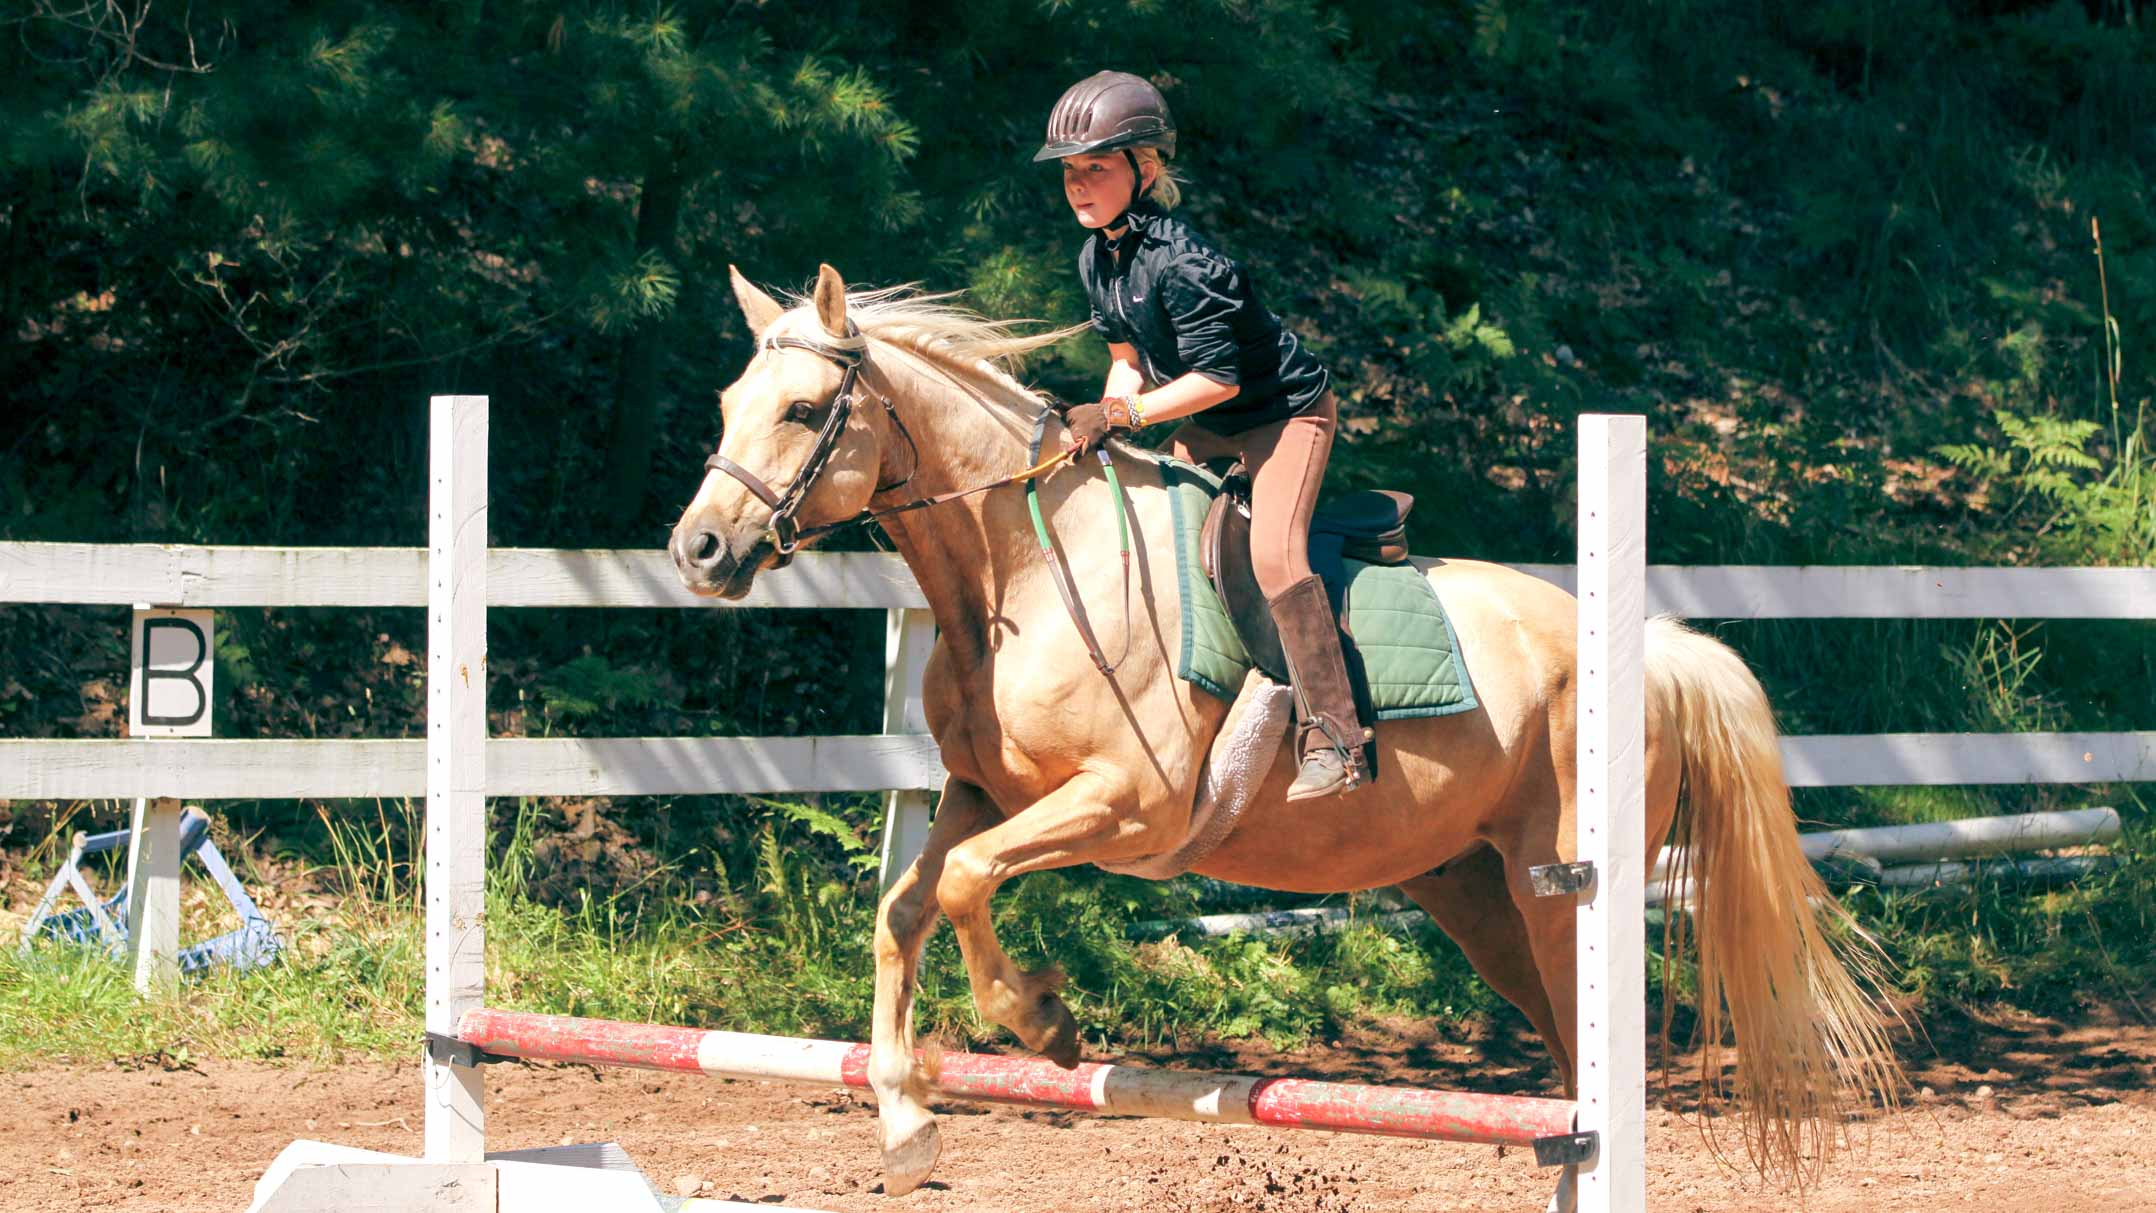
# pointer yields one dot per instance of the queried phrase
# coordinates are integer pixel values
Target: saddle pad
(1409, 650)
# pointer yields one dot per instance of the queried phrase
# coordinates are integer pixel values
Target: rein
(922, 503)
(850, 353)
(1061, 574)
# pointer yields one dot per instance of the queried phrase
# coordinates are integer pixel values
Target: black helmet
(1108, 112)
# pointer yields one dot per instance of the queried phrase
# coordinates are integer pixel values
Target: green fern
(1981, 462)
(1469, 333)
(818, 820)
(2095, 510)
(1448, 353)
(2050, 441)
(590, 685)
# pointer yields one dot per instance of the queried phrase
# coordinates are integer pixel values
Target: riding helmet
(1108, 112)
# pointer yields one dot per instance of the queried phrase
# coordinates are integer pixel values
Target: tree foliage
(1840, 253)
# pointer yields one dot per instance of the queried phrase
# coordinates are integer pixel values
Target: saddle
(1369, 525)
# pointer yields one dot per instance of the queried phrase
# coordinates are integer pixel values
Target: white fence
(902, 760)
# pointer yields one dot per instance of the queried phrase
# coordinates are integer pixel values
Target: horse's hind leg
(1471, 902)
(1474, 902)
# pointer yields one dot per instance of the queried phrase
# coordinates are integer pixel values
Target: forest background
(1844, 255)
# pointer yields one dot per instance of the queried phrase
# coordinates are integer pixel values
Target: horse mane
(982, 352)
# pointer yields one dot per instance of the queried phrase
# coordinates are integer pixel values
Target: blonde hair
(1167, 188)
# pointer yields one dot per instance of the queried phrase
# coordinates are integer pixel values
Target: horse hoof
(1060, 1044)
(909, 1157)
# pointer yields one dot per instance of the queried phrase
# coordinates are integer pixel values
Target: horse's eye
(801, 411)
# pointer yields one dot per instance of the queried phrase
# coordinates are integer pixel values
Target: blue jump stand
(252, 945)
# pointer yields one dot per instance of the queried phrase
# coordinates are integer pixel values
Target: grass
(2054, 952)
(783, 950)
(782, 947)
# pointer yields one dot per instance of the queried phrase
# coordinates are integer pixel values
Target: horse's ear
(758, 308)
(831, 301)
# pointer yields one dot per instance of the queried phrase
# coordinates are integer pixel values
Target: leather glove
(1090, 424)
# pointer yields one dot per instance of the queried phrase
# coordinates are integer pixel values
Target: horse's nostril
(704, 547)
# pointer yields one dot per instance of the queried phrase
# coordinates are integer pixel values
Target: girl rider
(1182, 316)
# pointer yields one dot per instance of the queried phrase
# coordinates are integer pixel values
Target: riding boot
(1330, 736)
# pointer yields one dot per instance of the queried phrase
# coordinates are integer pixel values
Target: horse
(1057, 757)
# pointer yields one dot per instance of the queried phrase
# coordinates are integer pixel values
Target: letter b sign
(169, 689)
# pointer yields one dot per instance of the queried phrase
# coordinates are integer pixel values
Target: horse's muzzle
(707, 565)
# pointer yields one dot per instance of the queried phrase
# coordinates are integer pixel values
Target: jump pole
(1113, 1090)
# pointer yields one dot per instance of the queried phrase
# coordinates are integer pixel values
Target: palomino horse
(1052, 763)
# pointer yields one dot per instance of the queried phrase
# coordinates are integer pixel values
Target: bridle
(850, 353)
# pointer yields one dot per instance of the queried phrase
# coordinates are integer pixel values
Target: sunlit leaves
(644, 289)
(446, 134)
(343, 69)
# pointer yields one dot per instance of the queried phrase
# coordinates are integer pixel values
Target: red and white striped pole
(1291, 1103)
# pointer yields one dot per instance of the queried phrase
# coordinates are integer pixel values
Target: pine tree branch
(121, 30)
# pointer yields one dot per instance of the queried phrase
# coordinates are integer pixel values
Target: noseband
(848, 352)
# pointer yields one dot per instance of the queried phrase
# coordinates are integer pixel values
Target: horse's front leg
(904, 920)
(1095, 816)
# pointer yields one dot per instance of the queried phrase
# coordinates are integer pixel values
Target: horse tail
(1782, 965)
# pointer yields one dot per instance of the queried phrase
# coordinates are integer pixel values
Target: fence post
(1610, 811)
(153, 892)
(908, 635)
(153, 841)
(456, 764)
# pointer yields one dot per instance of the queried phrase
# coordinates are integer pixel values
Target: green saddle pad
(1409, 650)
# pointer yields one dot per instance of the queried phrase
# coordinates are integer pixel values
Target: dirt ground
(2008, 1114)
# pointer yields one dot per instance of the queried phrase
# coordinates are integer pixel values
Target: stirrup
(1325, 771)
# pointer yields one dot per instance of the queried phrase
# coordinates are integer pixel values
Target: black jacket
(1187, 306)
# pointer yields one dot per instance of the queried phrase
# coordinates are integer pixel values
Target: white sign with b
(169, 684)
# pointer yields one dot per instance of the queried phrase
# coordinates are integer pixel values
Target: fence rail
(516, 766)
(1822, 591)
(686, 766)
(180, 576)
(902, 761)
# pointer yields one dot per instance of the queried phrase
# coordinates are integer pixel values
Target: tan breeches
(1286, 461)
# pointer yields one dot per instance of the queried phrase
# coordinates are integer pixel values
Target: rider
(1182, 315)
